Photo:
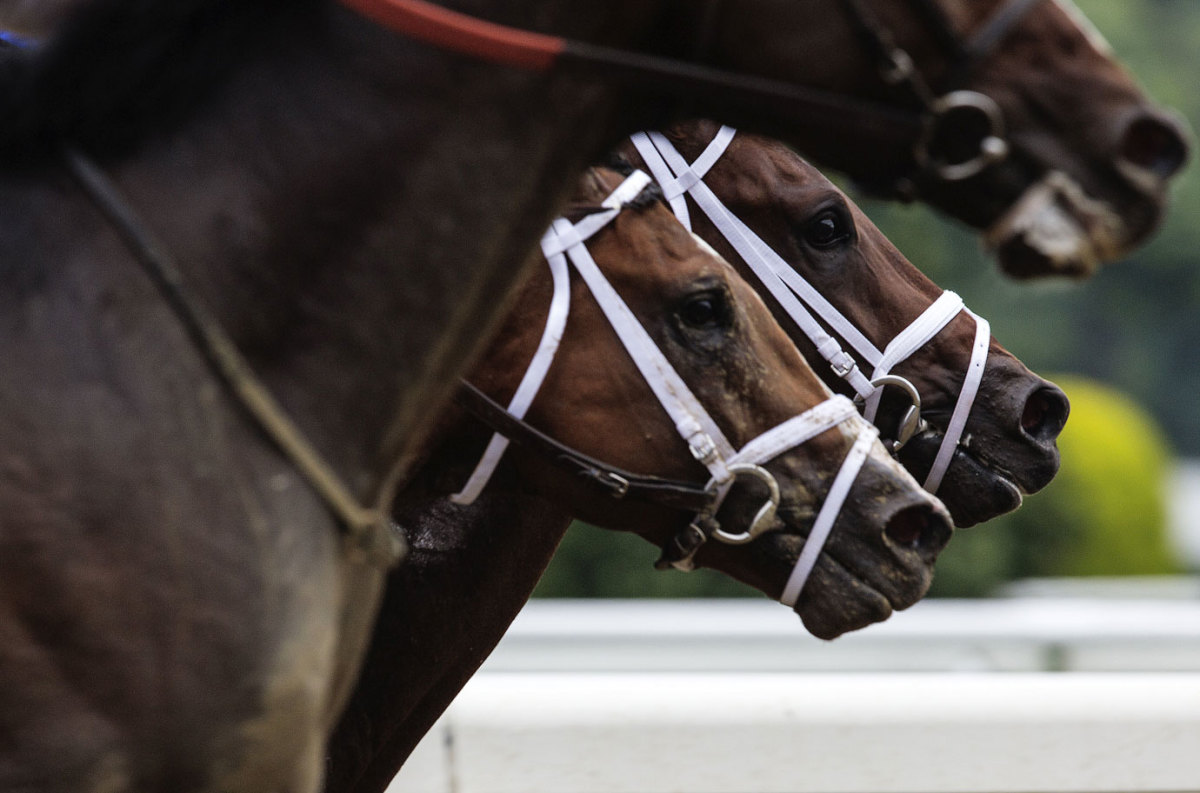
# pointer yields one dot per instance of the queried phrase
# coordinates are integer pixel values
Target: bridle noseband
(565, 248)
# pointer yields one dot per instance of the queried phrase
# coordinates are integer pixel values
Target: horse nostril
(1156, 144)
(918, 527)
(1045, 414)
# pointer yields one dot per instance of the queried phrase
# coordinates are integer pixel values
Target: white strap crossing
(823, 525)
(692, 421)
(769, 267)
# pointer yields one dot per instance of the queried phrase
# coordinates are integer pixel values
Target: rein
(460, 33)
(370, 534)
(679, 179)
(914, 124)
(565, 246)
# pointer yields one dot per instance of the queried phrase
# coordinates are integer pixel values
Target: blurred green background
(1125, 346)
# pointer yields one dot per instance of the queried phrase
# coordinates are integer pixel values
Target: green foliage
(1104, 514)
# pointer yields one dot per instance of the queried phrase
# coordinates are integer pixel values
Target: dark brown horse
(1008, 443)
(316, 178)
(473, 566)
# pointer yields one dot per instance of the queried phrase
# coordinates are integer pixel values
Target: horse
(745, 194)
(479, 550)
(311, 174)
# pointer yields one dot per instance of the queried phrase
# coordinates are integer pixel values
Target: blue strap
(14, 40)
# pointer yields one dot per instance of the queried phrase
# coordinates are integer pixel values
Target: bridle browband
(565, 248)
(680, 179)
(912, 123)
(370, 535)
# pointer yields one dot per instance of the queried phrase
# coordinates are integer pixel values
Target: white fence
(732, 697)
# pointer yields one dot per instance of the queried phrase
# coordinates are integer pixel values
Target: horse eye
(706, 311)
(826, 230)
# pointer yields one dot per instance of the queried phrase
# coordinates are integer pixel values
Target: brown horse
(473, 566)
(1008, 445)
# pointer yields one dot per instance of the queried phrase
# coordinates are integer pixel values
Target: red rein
(463, 34)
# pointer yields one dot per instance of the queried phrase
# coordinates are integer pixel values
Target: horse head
(878, 299)
(736, 362)
(1031, 130)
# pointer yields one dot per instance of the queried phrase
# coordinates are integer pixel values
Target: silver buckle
(765, 517)
(615, 482)
(706, 452)
(911, 423)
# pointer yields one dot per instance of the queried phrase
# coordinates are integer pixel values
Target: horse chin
(837, 602)
(1056, 229)
(972, 490)
(839, 598)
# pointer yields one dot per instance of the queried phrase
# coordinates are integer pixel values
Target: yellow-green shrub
(1104, 514)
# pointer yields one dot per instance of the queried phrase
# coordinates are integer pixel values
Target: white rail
(723, 697)
(1010, 635)
(791, 733)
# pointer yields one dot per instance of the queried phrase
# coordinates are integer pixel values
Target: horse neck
(347, 214)
(470, 572)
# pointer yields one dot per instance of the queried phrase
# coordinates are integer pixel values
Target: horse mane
(119, 71)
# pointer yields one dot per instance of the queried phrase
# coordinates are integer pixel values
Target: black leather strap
(617, 482)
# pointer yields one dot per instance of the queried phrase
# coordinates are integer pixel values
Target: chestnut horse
(753, 199)
(478, 552)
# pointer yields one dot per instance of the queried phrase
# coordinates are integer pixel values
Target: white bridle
(564, 245)
(800, 299)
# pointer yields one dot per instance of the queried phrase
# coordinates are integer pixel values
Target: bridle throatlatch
(565, 246)
(679, 179)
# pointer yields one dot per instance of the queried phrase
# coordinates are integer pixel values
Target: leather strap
(372, 535)
(616, 482)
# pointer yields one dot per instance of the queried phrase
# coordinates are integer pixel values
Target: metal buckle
(992, 147)
(847, 365)
(911, 423)
(615, 482)
(765, 517)
(706, 451)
